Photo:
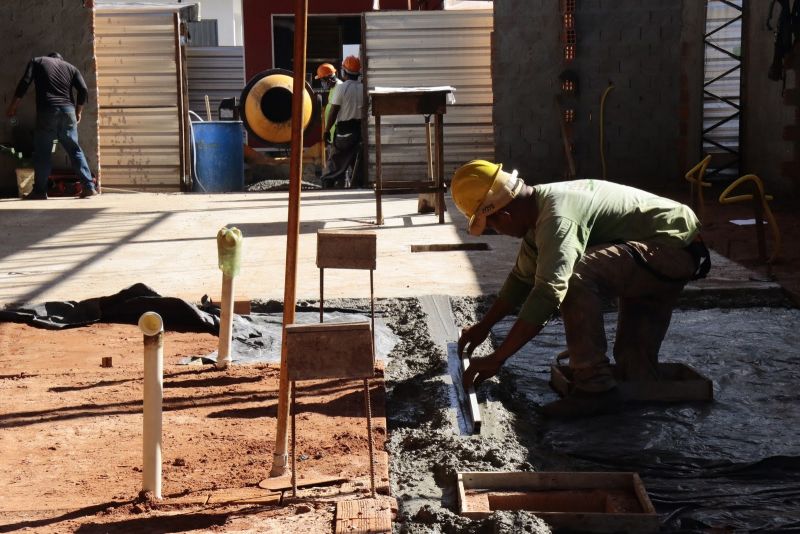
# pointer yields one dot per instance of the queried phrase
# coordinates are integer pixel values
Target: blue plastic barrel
(219, 161)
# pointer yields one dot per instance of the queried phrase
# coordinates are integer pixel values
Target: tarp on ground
(731, 465)
(256, 337)
(124, 307)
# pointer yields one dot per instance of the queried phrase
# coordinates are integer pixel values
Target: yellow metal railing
(695, 177)
(761, 209)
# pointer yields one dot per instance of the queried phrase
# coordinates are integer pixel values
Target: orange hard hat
(351, 65)
(326, 70)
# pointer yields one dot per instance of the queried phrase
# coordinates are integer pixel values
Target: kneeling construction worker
(582, 241)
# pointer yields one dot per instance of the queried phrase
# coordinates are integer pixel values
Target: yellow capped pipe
(229, 250)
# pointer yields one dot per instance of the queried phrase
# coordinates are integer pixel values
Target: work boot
(86, 192)
(580, 403)
(35, 196)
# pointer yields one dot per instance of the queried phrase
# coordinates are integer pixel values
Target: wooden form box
(587, 502)
(678, 383)
(329, 350)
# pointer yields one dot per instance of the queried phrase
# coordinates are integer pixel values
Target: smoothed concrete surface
(72, 249)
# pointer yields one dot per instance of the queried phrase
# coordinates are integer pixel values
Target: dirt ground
(71, 437)
(71, 430)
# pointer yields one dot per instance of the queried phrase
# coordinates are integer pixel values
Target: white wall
(229, 19)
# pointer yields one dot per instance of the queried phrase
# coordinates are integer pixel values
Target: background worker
(326, 74)
(57, 116)
(345, 113)
(582, 241)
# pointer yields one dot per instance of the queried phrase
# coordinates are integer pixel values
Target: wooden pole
(293, 228)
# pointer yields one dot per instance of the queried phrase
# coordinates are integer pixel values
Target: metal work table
(418, 101)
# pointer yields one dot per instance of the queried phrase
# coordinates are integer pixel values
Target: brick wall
(765, 114)
(650, 50)
(33, 28)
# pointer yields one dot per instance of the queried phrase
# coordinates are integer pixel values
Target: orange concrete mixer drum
(266, 106)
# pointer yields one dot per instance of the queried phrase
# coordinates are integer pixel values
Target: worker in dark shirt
(57, 116)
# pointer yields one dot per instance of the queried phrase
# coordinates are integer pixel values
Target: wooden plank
(411, 185)
(241, 306)
(584, 501)
(192, 499)
(244, 496)
(346, 249)
(449, 247)
(305, 481)
(329, 350)
(363, 516)
(678, 383)
(641, 493)
(545, 479)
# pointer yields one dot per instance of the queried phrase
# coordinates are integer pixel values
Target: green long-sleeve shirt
(578, 214)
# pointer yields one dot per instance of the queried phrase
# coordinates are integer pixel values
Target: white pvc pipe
(152, 326)
(225, 323)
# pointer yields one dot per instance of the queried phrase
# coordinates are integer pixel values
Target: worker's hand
(328, 137)
(479, 370)
(77, 116)
(471, 337)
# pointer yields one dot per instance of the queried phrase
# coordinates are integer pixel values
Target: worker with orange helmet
(346, 109)
(326, 74)
(583, 241)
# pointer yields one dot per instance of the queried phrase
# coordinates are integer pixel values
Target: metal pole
(292, 229)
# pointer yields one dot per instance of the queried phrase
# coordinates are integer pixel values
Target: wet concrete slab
(732, 463)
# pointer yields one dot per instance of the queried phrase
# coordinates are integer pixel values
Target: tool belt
(698, 250)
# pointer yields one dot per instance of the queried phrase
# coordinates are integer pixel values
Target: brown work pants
(645, 310)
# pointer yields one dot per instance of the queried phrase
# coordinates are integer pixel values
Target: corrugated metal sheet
(432, 48)
(203, 33)
(214, 71)
(137, 78)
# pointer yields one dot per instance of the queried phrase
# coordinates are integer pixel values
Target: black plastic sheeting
(124, 307)
(732, 464)
(257, 337)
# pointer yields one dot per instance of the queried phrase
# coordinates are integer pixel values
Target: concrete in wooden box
(583, 501)
(678, 383)
(329, 350)
(346, 249)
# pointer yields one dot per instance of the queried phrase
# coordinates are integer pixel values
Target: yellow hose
(724, 198)
(602, 127)
(695, 177)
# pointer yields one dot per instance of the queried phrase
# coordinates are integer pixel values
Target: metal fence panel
(214, 71)
(431, 48)
(137, 78)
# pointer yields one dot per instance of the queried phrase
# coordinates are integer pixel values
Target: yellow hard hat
(480, 188)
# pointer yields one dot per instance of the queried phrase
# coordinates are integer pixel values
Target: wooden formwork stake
(292, 229)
